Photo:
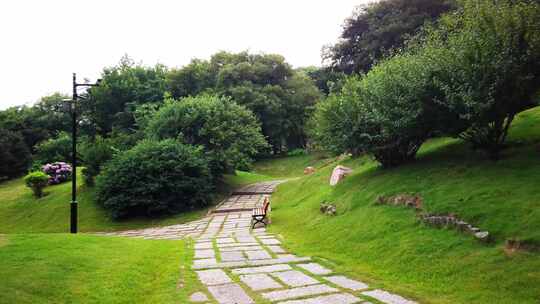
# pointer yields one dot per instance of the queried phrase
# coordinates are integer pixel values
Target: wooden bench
(259, 214)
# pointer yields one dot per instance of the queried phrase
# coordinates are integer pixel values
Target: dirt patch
(3, 240)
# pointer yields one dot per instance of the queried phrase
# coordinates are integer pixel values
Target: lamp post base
(73, 227)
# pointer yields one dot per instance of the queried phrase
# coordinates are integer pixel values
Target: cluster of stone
(452, 221)
(328, 208)
(414, 201)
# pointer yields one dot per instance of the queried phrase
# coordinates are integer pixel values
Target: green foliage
(379, 28)
(54, 149)
(94, 155)
(281, 98)
(489, 62)
(155, 178)
(24, 120)
(389, 113)
(36, 181)
(15, 156)
(122, 89)
(191, 80)
(230, 134)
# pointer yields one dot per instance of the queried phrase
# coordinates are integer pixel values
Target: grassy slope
(20, 212)
(388, 247)
(62, 268)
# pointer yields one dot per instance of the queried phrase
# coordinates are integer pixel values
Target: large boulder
(338, 174)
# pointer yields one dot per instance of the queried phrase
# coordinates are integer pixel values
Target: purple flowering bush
(58, 172)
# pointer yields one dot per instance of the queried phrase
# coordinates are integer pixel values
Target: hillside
(20, 212)
(389, 247)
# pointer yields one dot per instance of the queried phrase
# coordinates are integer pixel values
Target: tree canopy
(376, 29)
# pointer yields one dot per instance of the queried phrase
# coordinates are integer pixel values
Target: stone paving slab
(298, 292)
(386, 297)
(259, 281)
(232, 256)
(213, 277)
(294, 278)
(257, 254)
(204, 253)
(346, 283)
(315, 268)
(276, 249)
(251, 263)
(340, 298)
(230, 294)
(262, 269)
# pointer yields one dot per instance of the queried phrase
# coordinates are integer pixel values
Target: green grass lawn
(387, 246)
(62, 268)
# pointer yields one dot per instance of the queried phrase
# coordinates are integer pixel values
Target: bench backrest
(266, 204)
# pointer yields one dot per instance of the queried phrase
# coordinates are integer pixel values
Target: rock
(309, 170)
(198, 297)
(328, 209)
(338, 174)
(482, 236)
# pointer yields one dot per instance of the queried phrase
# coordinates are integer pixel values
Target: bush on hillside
(489, 62)
(15, 157)
(389, 112)
(37, 181)
(54, 149)
(155, 178)
(94, 155)
(230, 134)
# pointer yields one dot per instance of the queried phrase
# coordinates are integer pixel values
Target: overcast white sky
(43, 42)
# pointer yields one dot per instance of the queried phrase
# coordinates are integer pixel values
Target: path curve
(239, 265)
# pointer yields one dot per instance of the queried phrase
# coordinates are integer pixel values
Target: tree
(15, 157)
(388, 113)
(378, 28)
(230, 134)
(54, 149)
(280, 97)
(122, 88)
(489, 62)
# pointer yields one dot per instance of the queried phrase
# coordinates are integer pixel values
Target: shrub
(58, 172)
(54, 149)
(230, 134)
(37, 180)
(94, 155)
(14, 155)
(489, 58)
(155, 178)
(389, 112)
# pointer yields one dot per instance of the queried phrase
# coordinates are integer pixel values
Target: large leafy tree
(15, 156)
(280, 97)
(229, 133)
(489, 62)
(376, 29)
(122, 89)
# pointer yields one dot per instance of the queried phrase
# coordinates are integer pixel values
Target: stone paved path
(238, 265)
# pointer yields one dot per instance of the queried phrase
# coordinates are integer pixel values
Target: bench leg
(258, 219)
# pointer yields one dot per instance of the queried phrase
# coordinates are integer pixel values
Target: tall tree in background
(281, 98)
(122, 89)
(374, 30)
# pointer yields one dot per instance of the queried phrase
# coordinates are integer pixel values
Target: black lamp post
(73, 204)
